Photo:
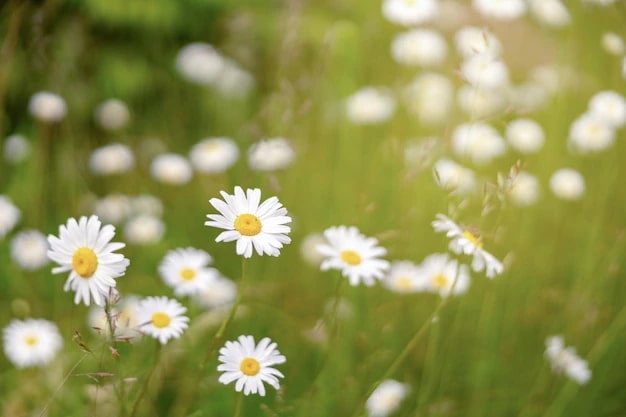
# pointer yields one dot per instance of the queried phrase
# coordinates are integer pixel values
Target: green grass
(483, 357)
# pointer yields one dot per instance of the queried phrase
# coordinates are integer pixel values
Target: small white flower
(613, 44)
(525, 135)
(485, 72)
(199, 63)
(464, 241)
(478, 141)
(430, 98)
(187, 271)
(386, 398)
(144, 229)
(147, 204)
(271, 155)
(250, 365)
(471, 40)
(84, 248)
(523, 190)
(404, 277)
(565, 360)
(370, 106)
(262, 227)
(162, 318)
(567, 184)
(232, 81)
(221, 292)
(590, 133)
(356, 256)
(112, 114)
(16, 149)
(31, 342)
(551, 13)
(47, 107)
(171, 169)
(528, 97)
(410, 12)
(124, 318)
(29, 249)
(500, 9)
(454, 177)
(113, 208)
(610, 107)
(308, 249)
(10, 215)
(115, 158)
(420, 48)
(214, 155)
(440, 273)
(479, 103)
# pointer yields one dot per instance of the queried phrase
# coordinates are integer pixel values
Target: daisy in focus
(254, 225)
(250, 364)
(566, 361)
(464, 241)
(355, 255)
(162, 318)
(186, 271)
(31, 342)
(84, 248)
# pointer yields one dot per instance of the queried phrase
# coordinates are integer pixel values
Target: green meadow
(478, 353)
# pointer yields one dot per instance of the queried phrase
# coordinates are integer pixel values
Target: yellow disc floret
(84, 262)
(31, 340)
(188, 274)
(250, 366)
(161, 320)
(350, 257)
(440, 281)
(248, 224)
(473, 239)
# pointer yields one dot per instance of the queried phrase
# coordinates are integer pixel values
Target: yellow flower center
(31, 340)
(211, 146)
(250, 366)
(84, 262)
(350, 257)
(248, 224)
(188, 274)
(161, 320)
(404, 283)
(440, 281)
(473, 239)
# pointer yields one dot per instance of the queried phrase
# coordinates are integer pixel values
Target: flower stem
(238, 404)
(144, 387)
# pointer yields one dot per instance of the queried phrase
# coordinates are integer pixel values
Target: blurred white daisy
(523, 190)
(609, 106)
(214, 155)
(254, 225)
(430, 98)
(123, 316)
(170, 168)
(370, 106)
(454, 177)
(613, 44)
(386, 398)
(479, 103)
(440, 273)
(162, 318)
(485, 72)
(478, 141)
(147, 204)
(84, 248)
(233, 81)
(112, 208)
(565, 360)
(419, 48)
(31, 342)
(115, 158)
(16, 149)
(527, 97)
(29, 250)
(404, 277)
(199, 63)
(144, 229)
(9, 215)
(250, 365)
(47, 107)
(551, 13)
(356, 256)
(590, 133)
(525, 135)
(410, 12)
(464, 241)
(567, 184)
(308, 249)
(186, 270)
(112, 114)
(221, 293)
(271, 154)
(500, 9)
(472, 40)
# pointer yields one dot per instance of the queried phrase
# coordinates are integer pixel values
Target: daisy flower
(404, 277)
(262, 227)
(441, 272)
(464, 241)
(31, 342)
(386, 398)
(250, 365)
(185, 270)
(162, 318)
(29, 250)
(566, 361)
(10, 215)
(356, 255)
(84, 248)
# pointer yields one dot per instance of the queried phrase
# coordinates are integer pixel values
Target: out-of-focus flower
(29, 250)
(485, 72)
(500, 9)
(370, 106)
(9, 215)
(567, 184)
(386, 398)
(565, 360)
(144, 229)
(308, 249)
(550, 12)
(454, 177)
(112, 114)
(232, 81)
(47, 107)
(222, 292)
(479, 103)
(523, 190)
(472, 40)
(404, 277)
(113, 208)
(271, 154)
(214, 155)
(123, 316)
(115, 158)
(146, 204)
(420, 48)
(590, 133)
(525, 135)
(16, 149)
(609, 106)
(410, 13)
(430, 98)
(200, 63)
(613, 44)
(478, 141)
(442, 273)
(31, 342)
(172, 169)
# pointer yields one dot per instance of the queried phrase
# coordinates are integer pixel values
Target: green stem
(238, 404)
(144, 387)
(44, 410)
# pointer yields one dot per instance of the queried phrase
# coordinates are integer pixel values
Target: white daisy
(590, 133)
(404, 277)
(370, 106)
(115, 158)
(386, 398)
(112, 114)
(172, 169)
(84, 248)
(356, 256)
(250, 365)
(144, 229)
(31, 342)
(199, 63)
(485, 72)
(271, 154)
(410, 12)
(186, 270)
(214, 155)
(430, 98)
(441, 272)
(124, 318)
(464, 241)
(162, 318)
(29, 250)
(500, 9)
(567, 184)
(16, 148)
(419, 48)
(9, 215)
(609, 106)
(47, 107)
(565, 360)
(472, 40)
(454, 177)
(222, 292)
(523, 190)
(262, 227)
(112, 208)
(525, 135)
